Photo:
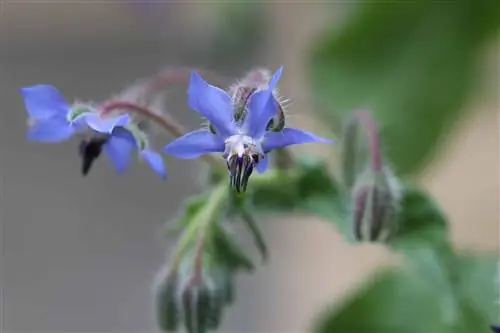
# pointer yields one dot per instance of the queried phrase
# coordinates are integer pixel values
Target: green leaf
(393, 302)
(476, 282)
(412, 62)
(449, 294)
(422, 224)
(288, 190)
(226, 252)
(191, 207)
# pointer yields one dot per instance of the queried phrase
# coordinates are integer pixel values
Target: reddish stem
(371, 127)
(198, 259)
(167, 122)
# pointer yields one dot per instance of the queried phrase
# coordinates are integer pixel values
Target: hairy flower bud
(225, 282)
(241, 92)
(202, 305)
(166, 299)
(375, 212)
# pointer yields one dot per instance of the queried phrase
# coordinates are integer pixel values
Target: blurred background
(79, 254)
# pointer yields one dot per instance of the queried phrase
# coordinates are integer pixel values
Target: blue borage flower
(54, 120)
(124, 140)
(244, 143)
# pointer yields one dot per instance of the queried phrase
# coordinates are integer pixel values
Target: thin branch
(167, 122)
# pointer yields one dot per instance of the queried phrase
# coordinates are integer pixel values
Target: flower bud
(202, 306)
(375, 210)
(355, 154)
(241, 92)
(224, 279)
(166, 299)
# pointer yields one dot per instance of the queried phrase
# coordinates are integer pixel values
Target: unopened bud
(241, 92)
(202, 306)
(375, 212)
(167, 306)
(355, 153)
(225, 281)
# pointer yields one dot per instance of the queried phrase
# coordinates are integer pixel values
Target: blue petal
(43, 101)
(106, 124)
(289, 136)
(51, 130)
(155, 162)
(263, 164)
(262, 108)
(119, 151)
(212, 103)
(195, 144)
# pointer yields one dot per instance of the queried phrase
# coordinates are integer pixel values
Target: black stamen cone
(89, 151)
(495, 329)
(240, 170)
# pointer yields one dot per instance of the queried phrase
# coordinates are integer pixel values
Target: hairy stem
(200, 226)
(166, 122)
(198, 257)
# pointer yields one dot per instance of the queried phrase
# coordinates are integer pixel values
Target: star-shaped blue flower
(245, 144)
(54, 120)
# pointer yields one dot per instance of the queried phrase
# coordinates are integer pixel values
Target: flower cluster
(243, 125)
(242, 129)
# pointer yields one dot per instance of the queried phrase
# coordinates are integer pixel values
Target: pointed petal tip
(155, 162)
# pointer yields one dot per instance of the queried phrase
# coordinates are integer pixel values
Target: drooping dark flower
(245, 141)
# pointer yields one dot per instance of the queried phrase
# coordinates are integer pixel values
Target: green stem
(200, 226)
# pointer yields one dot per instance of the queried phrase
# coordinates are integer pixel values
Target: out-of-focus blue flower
(54, 120)
(244, 143)
(122, 143)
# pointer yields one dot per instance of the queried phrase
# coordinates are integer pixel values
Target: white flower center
(240, 145)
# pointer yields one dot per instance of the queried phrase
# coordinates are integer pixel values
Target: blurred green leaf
(393, 302)
(476, 282)
(293, 190)
(422, 224)
(226, 252)
(421, 300)
(412, 62)
(192, 206)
